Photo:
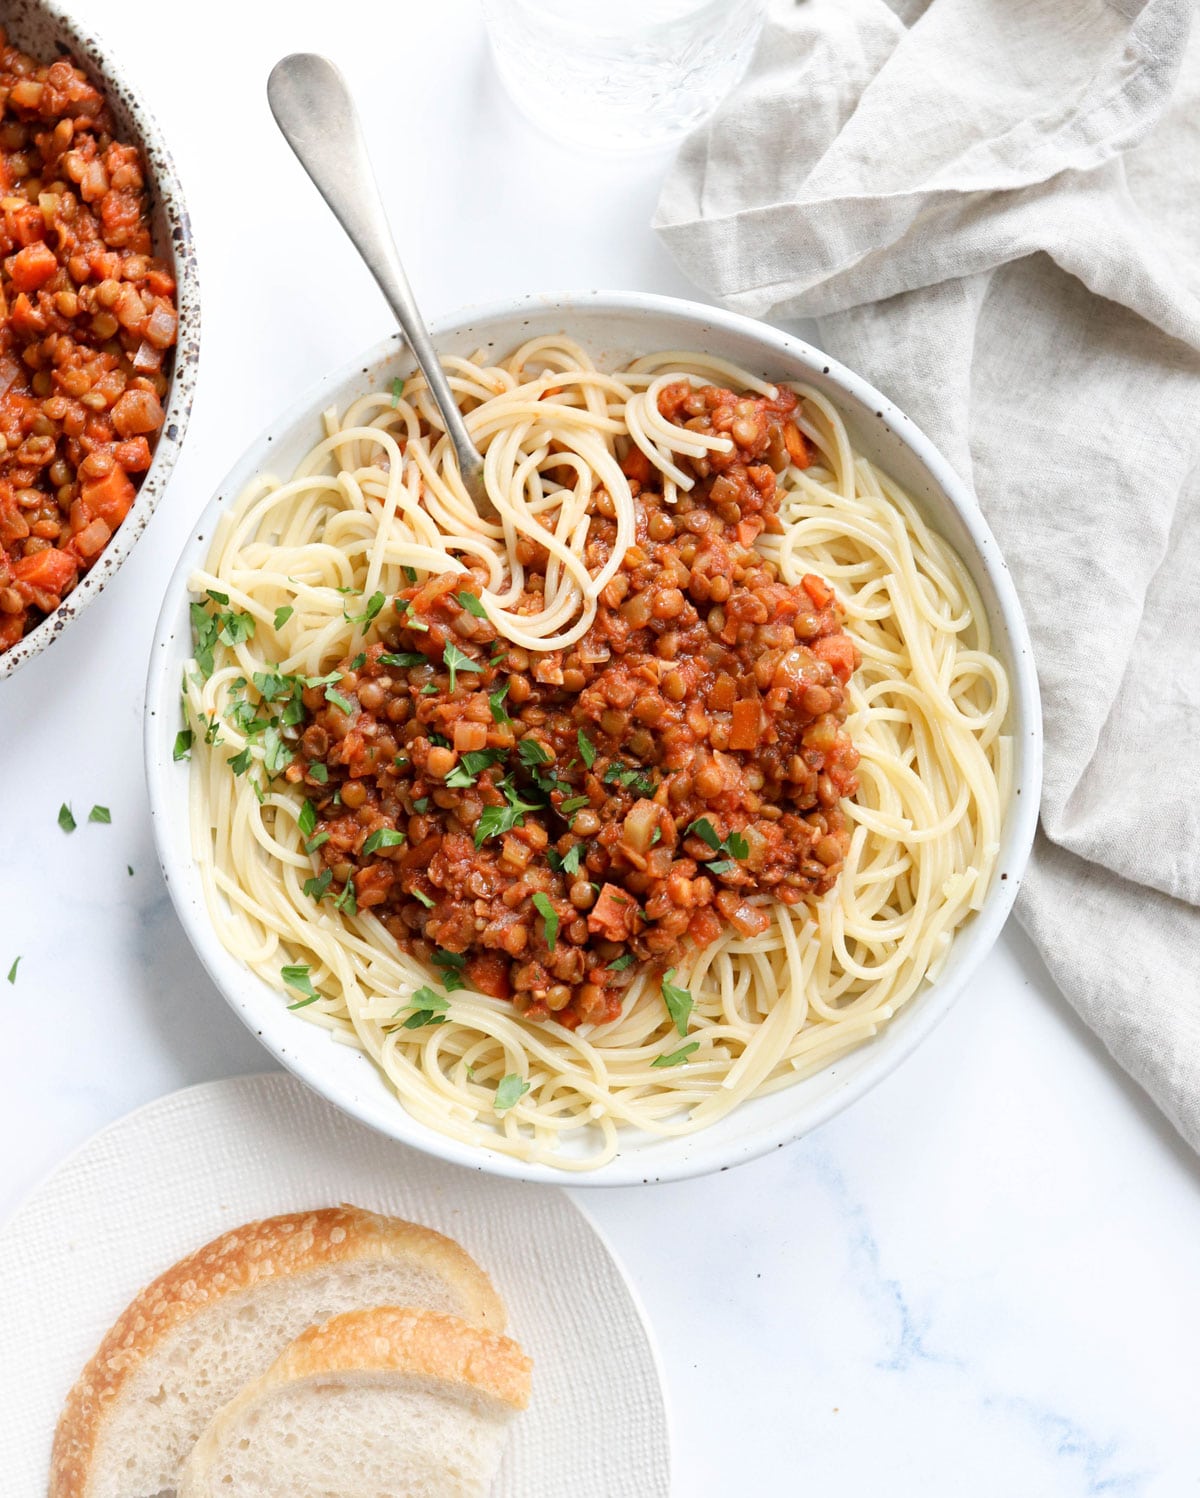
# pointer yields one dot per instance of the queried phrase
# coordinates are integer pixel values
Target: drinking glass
(628, 75)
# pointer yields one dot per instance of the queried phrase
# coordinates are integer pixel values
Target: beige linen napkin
(992, 209)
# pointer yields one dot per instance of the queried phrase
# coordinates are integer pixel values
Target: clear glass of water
(627, 75)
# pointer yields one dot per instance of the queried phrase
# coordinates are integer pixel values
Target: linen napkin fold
(992, 210)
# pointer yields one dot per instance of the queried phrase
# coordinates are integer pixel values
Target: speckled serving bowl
(43, 29)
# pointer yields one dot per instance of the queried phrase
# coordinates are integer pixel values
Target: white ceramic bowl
(45, 30)
(615, 326)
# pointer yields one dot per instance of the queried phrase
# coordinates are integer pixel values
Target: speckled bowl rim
(167, 201)
(351, 1081)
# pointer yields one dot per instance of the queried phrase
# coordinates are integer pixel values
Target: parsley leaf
(319, 772)
(619, 964)
(12, 972)
(65, 820)
(677, 1058)
(283, 614)
(457, 661)
(374, 604)
(338, 701)
(576, 803)
(549, 915)
(221, 598)
(532, 753)
(566, 863)
(495, 820)
(183, 744)
(450, 965)
(428, 1009)
(347, 901)
(677, 1000)
(737, 845)
(276, 754)
(496, 703)
(397, 390)
(307, 820)
(419, 894)
(405, 659)
(511, 1090)
(587, 749)
(411, 574)
(382, 837)
(470, 765)
(100, 814)
(296, 976)
(318, 886)
(470, 602)
(240, 763)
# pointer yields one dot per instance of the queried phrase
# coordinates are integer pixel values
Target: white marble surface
(982, 1281)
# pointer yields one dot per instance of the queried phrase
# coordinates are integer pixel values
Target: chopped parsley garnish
(296, 976)
(347, 901)
(457, 661)
(574, 804)
(440, 739)
(359, 661)
(405, 659)
(421, 804)
(65, 820)
(276, 754)
(496, 703)
(677, 1058)
(397, 390)
(469, 767)
(450, 965)
(212, 734)
(419, 894)
(317, 887)
(338, 701)
(374, 604)
(733, 847)
(282, 614)
(549, 915)
(100, 814)
(12, 972)
(428, 690)
(511, 1090)
(532, 753)
(240, 763)
(183, 744)
(382, 837)
(316, 842)
(428, 1006)
(677, 1000)
(323, 681)
(630, 777)
(568, 862)
(587, 749)
(319, 772)
(307, 820)
(221, 598)
(472, 604)
(411, 574)
(619, 964)
(496, 820)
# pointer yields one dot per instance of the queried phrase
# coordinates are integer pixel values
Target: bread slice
(221, 1317)
(384, 1403)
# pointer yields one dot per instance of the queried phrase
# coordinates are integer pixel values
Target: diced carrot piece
(745, 727)
(33, 266)
(838, 652)
(797, 447)
(817, 589)
(636, 465)
(748, 531)
(488, 972)
(469, 736)
(109, 497)
(51, 570)
(612, 914)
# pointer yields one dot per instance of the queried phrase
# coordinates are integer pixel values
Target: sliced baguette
(220, 1318)
(384, 1403)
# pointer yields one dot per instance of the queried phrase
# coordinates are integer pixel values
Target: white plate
(181, 1170)
(614, 326)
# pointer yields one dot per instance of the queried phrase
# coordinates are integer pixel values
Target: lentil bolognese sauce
(87, 322)
(545, 822)
(653, 792)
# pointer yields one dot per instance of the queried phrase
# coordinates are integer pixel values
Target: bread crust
(273, 1248)
(404, 1339)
